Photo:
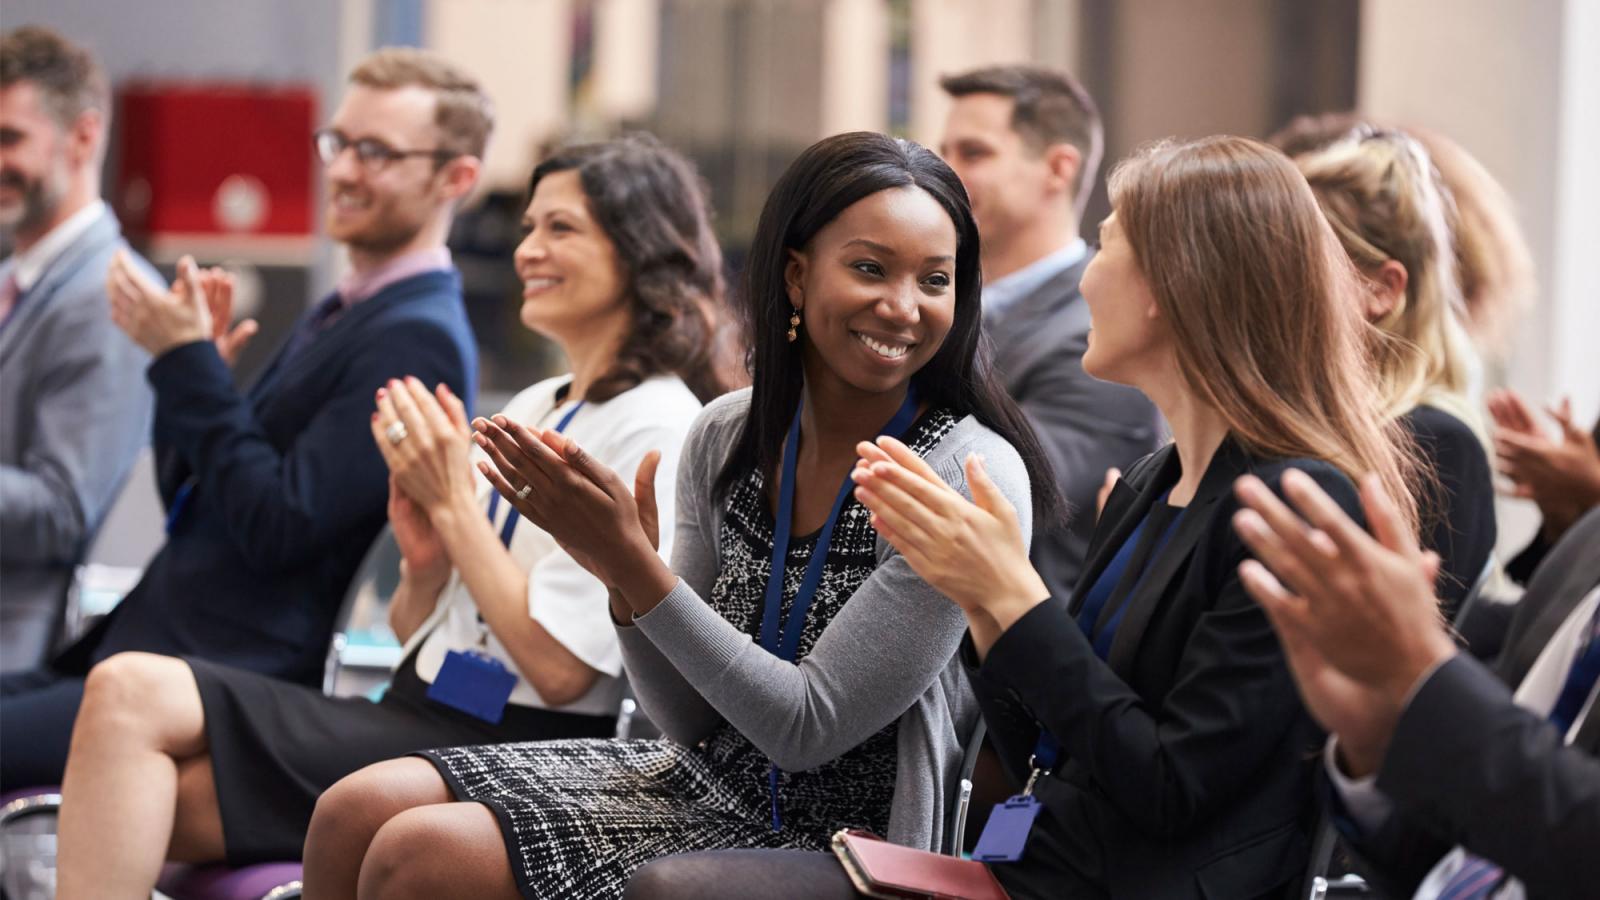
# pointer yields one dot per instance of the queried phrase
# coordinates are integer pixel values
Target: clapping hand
(423, 438)
(585, 506)
(218, 287)
(423, 556)
(971, 551)
(1356, 614)
(197, 307)
(1562, 475)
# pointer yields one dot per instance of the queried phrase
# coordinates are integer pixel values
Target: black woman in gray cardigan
(804, 675)
(1148, 722)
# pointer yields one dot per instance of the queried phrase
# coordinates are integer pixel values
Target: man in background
(74, 407)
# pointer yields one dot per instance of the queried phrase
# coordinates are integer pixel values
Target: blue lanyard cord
(509, 527)
(1047, 751)
(785, 643)
(180, 502)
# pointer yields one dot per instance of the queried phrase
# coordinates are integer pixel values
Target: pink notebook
(881, 869)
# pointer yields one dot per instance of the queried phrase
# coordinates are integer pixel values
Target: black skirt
(275, 746)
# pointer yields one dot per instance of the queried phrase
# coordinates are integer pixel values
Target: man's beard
(384, 235)
(39, 201)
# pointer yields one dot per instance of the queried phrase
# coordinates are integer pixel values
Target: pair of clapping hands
(1561, 475)
(547, 478)
(1356, 613)
(198, 306)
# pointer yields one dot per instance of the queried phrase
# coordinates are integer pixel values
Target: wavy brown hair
(651, 204)
(1262, 302)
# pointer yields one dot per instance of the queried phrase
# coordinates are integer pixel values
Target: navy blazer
(1187, 758)
(289, 489)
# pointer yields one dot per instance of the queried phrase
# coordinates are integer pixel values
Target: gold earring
(794, 326)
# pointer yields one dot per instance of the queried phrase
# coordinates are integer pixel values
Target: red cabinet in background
(203, 162)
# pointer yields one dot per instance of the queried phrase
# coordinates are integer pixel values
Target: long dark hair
(827, 178)
(652, 204)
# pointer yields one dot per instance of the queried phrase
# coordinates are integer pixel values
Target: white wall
(1517, 84)
(521, 54)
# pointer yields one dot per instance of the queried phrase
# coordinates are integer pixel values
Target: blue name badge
(1006, 833)
(476, 684)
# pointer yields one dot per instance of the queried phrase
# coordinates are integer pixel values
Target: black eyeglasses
(372, 153)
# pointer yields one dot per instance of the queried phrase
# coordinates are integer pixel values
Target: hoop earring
(794, 326)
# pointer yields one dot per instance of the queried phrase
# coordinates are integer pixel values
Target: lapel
(1015, 323)
(1588, 736)
(1125, 509)
(323, 347)
(31, 306)
(1228, 463)
(1554, 596)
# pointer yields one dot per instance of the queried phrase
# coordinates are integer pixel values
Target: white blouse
(563, 597)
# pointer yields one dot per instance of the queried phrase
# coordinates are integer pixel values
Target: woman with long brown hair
(1149, 721)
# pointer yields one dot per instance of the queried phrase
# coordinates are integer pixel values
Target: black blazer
(1462, 530)
(291, 489)
(1187, 757)
(1468, 767)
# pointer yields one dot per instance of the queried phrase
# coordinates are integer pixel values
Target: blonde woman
(1493, 262)
(1386, 203)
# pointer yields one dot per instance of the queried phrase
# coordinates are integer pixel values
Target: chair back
(375, 580)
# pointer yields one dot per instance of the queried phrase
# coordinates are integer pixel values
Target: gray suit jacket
(74, 411)
(1085, 425)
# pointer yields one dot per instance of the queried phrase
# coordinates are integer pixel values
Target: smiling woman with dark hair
(195, 761)
(805, 683)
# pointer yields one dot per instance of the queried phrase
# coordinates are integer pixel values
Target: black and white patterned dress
(579, 816)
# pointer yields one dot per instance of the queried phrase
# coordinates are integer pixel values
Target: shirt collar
(355, 287)
(1002, 293)
(32, 263)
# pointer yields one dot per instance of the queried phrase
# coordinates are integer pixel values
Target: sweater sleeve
(892, 639)
(284, 504)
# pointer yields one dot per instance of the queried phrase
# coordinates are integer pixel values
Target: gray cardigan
(889, 653)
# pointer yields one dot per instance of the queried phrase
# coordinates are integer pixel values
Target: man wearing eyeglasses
(274, 494)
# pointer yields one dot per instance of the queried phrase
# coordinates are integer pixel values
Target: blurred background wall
(743, 85)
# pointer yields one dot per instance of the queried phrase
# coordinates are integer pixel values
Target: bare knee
(452, 850)
(348, 814)
(144, 695)
(396, 863)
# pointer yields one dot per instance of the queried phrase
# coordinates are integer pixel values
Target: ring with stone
(524, 491)
(396, 432)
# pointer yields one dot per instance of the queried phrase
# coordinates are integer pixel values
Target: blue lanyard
(1047, 750)
(785, 644)
(510, 525)
(1137, 550)
(180, 501)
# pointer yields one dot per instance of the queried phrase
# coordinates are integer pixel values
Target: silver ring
(524, 491)
(396, 432)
